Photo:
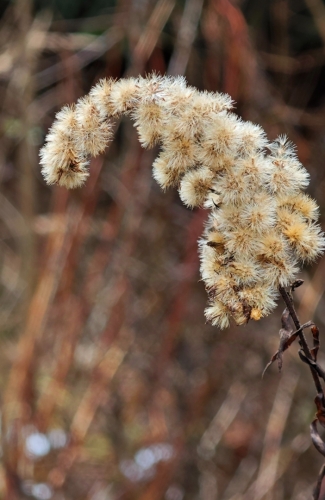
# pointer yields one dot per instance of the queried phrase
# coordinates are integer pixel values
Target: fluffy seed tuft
(261, 224)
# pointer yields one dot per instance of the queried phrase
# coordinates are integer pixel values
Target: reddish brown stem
(302, 340)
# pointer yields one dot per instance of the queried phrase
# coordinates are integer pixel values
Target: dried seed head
(261, 224)
(218, 314)
(61, 163)
(253, 139)
(123, 96)
(259, 216)
(92, 132)
(163, 173)
(100, 95)
(306, 239)
(147, 119)
(196, 186)
(245, 271)
(301, 204)
(261, 296)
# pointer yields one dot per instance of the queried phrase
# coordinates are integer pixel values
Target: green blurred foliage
(73, 9)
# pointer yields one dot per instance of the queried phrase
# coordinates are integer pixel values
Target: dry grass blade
(185, 37)
(222, 420)
(149, 38)
(311, 294)
(113, 373)
(92, 51)
(86, 411)
(317, 9)
(268, 470)
(53, 393)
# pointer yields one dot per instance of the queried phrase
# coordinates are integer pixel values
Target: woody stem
(302, 339)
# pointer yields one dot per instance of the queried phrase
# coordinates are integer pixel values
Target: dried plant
(116, 267)
(261, 225)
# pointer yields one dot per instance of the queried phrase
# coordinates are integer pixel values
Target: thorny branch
(308, 356)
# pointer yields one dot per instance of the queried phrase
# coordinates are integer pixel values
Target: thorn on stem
(296, 284)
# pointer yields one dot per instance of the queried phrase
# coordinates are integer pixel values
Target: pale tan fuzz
(261, 225)
(92, 132)
(163, 174)
(61, 163)
(196, 186)
(101, 97)
(148, 121)
(123, 96)
(218, 314)
(300, 203)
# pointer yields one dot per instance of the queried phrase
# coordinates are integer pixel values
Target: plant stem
(302, 340)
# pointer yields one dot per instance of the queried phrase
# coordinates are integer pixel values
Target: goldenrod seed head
(148, 121)
(259, 216)
(195, 186)
(227, 219)
(256, 314)
(92, 132)
(241, 242)
(218, 314)
(261, 224)
(100, 95)
(253, 139)
(234, 189)
(301, 204)
(245, 271)
(307, 240)
(288, 175)
(163, 173)
(221, 136)
(261, 296)
(61, 163)
(123, 96)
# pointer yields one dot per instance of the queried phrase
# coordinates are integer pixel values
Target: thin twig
(185, 37)
(319, 483)
(310, 357)
(302, 340)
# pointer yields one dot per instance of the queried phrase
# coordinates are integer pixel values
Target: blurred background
(112, 385)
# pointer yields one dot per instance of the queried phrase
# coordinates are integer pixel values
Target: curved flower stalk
(261, 225)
